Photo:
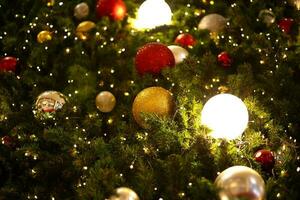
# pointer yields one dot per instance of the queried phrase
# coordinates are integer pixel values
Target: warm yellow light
(226, 115)
(153, 13)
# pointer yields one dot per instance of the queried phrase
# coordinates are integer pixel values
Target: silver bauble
(124, 193)
(105, 101)
(48, 103)
(212, 22)
(240, 182)
(179, 53)
(81, 10)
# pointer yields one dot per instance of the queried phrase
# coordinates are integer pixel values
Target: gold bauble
(83, 28)
(105, 101)
(240, 182)
(296, 3)
(154, 100)
(124, 193)
(44, 36)
(50, 3)
(81, 10)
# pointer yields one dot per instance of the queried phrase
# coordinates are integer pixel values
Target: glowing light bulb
(226, 115)
(153, 13)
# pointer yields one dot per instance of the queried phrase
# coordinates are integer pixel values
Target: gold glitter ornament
(44, 36)
(81, 10)
(83, 28)
(105, 101)
(124, 193)
(153, 100)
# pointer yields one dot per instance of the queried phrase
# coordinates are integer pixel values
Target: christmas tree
(156, 99)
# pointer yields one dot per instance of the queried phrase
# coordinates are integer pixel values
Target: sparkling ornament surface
(44, 36)
(265, 158)
(83, 28)
(114, 9)
(154, 100)
(8, 63)
(240, 182)
(212, 22)
(267, 17)
(226, 115)
(105, 101)
(179, 53)
(224, 59)
(124, 193)
(48, 103)
(185, 40)
(153, 13)
(285, 25)
(152, 58)
(81, 10)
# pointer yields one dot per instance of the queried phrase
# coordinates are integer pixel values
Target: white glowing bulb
(153, 13)
(226, 115)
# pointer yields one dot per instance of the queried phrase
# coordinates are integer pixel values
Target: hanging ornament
(152, 58)
(114, 9)
(153, 100)
(9, 141)
(267, 17)
(285, 25)
(224, 59)
(296, 3)
(223, 89)
(240, 182)
(47, 104)
(83, 28)
(124, 193)
(50, 3)
(81, 10)
(179, 53)
(265, 158)
(185, 40)
(153, 13)
(8, 64)
(212, 22)
(44, 36)
(105, 101)
(226, 115)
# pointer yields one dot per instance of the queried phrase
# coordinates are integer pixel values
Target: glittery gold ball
(124, 193)
(44, 36)
(105, 101)
(154, 100)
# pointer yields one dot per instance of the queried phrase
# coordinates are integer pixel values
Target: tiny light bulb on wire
(226, 115)
(153, 13)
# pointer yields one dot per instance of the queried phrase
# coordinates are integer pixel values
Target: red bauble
(265, 158)
(114, 9)
(285, 25)
(8, 64)
(185, 40)
(153, 57)
(224, 59)
(8, 141)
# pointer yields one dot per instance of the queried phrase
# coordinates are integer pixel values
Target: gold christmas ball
(83, 28)
(48, 103)
(124, 193)
(81, 10)
(154, 100)
(240, 182)
(296, 3)
(44, 36)
(105, 101)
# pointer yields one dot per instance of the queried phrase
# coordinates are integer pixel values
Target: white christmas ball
(81, 10)
(226, 115)
(240, 182)
(179, 53)
(212, 22)
(105, 101)
(124, 193)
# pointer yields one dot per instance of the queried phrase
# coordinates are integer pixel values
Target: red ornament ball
(185, 40)
(265, 158)
(9, 141)
(224, 59)
(114, 9)
(8, 64)
(285, 25)
(152, 58)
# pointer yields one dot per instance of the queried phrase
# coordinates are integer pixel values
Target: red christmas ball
(285, 25)
(185, 40)
(265, 158)
(224, 59)
(114, 9)
(153, 57)
(8, 64)
(8, 141)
